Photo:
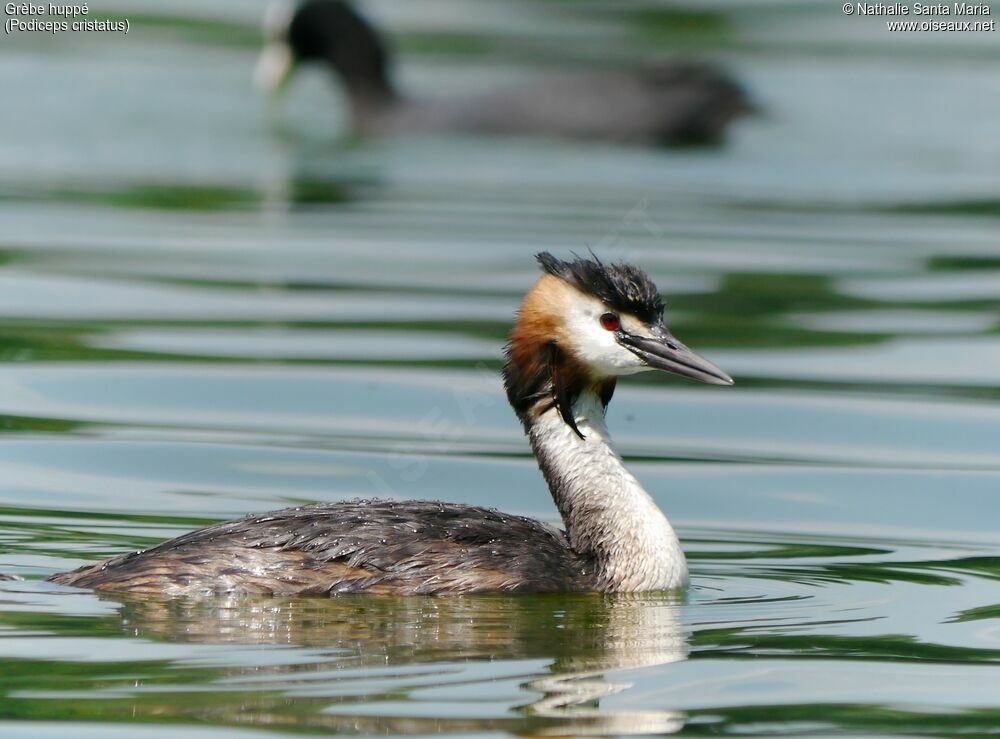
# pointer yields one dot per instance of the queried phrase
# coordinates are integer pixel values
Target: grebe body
(581, 326)
(361, 546)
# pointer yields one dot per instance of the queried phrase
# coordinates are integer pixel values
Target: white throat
(606, 511)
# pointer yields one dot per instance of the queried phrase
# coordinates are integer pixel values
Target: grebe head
(584, 324)
(328, 31)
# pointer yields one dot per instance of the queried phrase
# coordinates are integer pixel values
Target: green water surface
(210, 307)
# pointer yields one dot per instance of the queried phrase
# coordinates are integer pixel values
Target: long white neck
(607, 513)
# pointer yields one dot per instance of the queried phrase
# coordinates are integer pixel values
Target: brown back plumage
(361, 546)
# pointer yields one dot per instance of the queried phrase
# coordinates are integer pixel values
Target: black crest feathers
(622, 287)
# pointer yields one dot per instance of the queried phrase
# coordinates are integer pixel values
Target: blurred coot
(668, 103)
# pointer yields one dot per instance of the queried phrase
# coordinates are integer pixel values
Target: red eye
(610, 322)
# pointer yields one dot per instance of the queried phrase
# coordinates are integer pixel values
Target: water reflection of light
(581, 638)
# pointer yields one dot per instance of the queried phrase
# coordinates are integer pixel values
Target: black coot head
(319, 26)
(334, 32)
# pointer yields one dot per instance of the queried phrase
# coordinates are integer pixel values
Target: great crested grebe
(582, 325)
(671, 102)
